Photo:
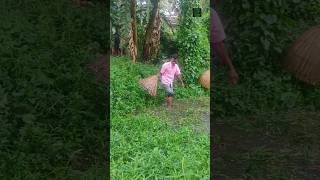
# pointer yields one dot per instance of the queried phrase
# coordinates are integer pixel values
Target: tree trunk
(117, 42)
(156, 34)
(133, 31)
(148, 43)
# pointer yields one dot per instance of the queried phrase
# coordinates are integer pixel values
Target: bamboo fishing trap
(150, 84)
(204, 79)
(303, 58)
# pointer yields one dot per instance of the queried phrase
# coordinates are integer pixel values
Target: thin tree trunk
(148, 43)
(133, 31)
(117, 41)
(156, 34)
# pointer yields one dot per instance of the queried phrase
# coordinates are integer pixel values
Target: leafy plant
(127, 95)
(258, 34)
(193, 44)
(51, 107)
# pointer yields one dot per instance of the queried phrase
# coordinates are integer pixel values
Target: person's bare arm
(162, 70)
(220, 51)
(180, 79)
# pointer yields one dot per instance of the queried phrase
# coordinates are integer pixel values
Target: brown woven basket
(303, 58)
(204, 79)
(150, 84)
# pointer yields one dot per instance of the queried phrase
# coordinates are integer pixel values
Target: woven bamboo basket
(150, 84)
(303, 58)
(204, 79)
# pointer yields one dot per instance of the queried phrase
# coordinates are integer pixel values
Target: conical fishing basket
(303, 58)
(150, 84)
(204, 79)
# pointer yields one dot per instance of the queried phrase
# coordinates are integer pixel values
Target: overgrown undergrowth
(52, 111)
(126, 94)
(144, 142)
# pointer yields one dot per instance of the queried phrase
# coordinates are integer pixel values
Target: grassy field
(150, 142)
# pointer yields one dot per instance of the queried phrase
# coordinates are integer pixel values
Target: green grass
(148, 141)
(126, 94)
(282, 145)
(52, 110)
(144, 146)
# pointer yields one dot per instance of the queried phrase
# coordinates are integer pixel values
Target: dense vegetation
(126, 94)
(192, 40)
(188, 36)
(265, 124)
(258, 35)
(147, 140)
(52, 111)
(146, 145)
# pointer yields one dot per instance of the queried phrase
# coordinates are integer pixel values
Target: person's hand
(233, 76)
(182, 84)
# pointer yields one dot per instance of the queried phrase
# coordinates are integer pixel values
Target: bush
(258, 36)
(193, 44)
(125, 92)
(50, 106)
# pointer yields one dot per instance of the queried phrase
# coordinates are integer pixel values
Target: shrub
(258, 36)
(50, 106)
(193, 44)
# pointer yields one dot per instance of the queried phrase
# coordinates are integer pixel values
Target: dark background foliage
(259, 33)
(52, 111)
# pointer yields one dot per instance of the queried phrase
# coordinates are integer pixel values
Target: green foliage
(50, 106)
(168, 39)
(120, 21)
(141, 38)
(144, 146)
(193, 44)
(128, 96)
(268, 101)
(258, 36)
(125, 92)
